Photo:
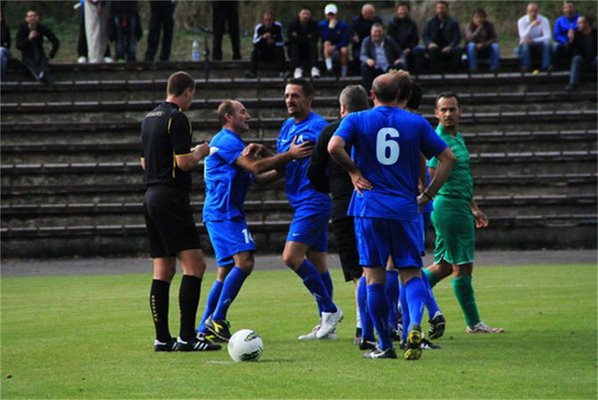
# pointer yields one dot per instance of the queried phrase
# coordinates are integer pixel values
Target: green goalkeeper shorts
(454, 225)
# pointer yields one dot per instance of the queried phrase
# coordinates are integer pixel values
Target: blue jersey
(300, 191)
(387, 142)
(226, 183)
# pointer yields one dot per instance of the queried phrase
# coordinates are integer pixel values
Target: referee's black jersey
(165, 132)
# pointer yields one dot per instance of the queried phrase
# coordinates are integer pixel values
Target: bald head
(392, 87)
(368, 12)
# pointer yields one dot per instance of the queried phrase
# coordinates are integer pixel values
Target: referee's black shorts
(344, 234)
(169, 220)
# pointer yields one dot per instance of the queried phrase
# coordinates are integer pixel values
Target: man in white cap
(336, 35)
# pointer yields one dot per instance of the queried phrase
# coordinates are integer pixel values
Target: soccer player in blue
(306, 245)
(387, 144)
(229, 171)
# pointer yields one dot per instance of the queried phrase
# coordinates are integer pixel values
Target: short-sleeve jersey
(459, 183)
(226, 183)
(387, 142)
(165, 132)
(300, 191)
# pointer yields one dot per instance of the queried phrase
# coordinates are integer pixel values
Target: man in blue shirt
(228, 174)
(385, 205)
(305, 250)
(564, 31)
(335, 35)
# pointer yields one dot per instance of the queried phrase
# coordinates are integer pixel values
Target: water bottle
(195, 50)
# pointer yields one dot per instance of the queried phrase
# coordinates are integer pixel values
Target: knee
(245, 261)
(471, 47)
(291, 260)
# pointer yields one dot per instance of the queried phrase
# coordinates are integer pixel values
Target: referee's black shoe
(169, 345)
(196, 344)
(219, 328)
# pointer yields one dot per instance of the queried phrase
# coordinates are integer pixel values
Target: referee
(167, 160)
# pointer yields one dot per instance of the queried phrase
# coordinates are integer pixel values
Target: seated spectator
(30, 41)
(303, 34)
(379, 53)
(127, 29)
(361, 26)
(441, 38)
(564, 31)
(534, 38)
(481, 41)
(335, 35)
(584, 49)
(161, 19)
(403, 30)
(4, 46)
(268, 44)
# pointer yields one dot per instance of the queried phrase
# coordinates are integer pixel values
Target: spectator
(584, 48)
(4, 46)
(379, 53)
(335, 35)
(303, 34)
(481, 41)
(30, 41)
(225, 12)
(362, 25)
(534, 37)
(268, 44)
(161, 19)
(403, 30)
(441, 38)
(96, 14)
(565, 27)
(127, 29)
(82, 50)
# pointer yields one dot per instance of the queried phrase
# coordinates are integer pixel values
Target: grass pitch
(91, 337)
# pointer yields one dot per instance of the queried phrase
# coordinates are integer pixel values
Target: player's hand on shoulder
(253, 150)
(302, 150)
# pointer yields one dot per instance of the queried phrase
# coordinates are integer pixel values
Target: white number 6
(387, 150)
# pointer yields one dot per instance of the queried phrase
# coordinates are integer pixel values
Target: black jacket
(585, 45)
(443, 33)
(28, 47)
(404, 32)
(300, 33)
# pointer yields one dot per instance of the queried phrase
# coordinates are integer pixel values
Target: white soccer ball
(245, 345)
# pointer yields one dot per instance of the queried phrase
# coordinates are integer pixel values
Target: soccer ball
(245, 345)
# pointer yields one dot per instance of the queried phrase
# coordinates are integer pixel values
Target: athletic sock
(211, 302)
(432, 279)
(159, 298)
(313, 282)
(328, 62)
(230, 289)
(327, 280)
(378, 309)
(415, 293)
(367, 328)
(464, 292)
(405, 310)
(392, 296)
(344, 70)
(431, 304)
(188, 302)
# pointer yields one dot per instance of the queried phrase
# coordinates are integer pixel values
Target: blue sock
(378, 308)
(313, 282)
(327, 280)
(211, 302)
(367, 329)
(392, 296)
(430, 299)
(405, 310)
(230, 288)
(415, 292)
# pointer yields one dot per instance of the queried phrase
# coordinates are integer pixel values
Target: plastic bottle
(195, 50)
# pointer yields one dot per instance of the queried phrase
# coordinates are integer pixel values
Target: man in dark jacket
(403, 30)
(584, 47)
(161, 18)
(30, 41)
(268, 44)
(303, 34)
(362, 25)
(441, 38)
(379, 53)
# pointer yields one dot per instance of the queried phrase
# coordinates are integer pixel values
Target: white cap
(330, 8)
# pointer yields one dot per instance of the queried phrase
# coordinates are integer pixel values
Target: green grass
(91, 337)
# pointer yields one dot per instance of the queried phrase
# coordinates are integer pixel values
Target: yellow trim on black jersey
(173, 165)
(169, 123)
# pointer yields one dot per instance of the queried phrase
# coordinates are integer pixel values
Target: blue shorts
(229, 237)
(310, 228)
(379, 238)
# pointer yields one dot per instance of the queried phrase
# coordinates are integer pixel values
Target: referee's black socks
(188, 302)
(159, 306)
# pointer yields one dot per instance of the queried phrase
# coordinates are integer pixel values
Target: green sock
(464, 292)
(431, 277)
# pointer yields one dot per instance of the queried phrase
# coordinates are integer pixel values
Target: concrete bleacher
(71, 183)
